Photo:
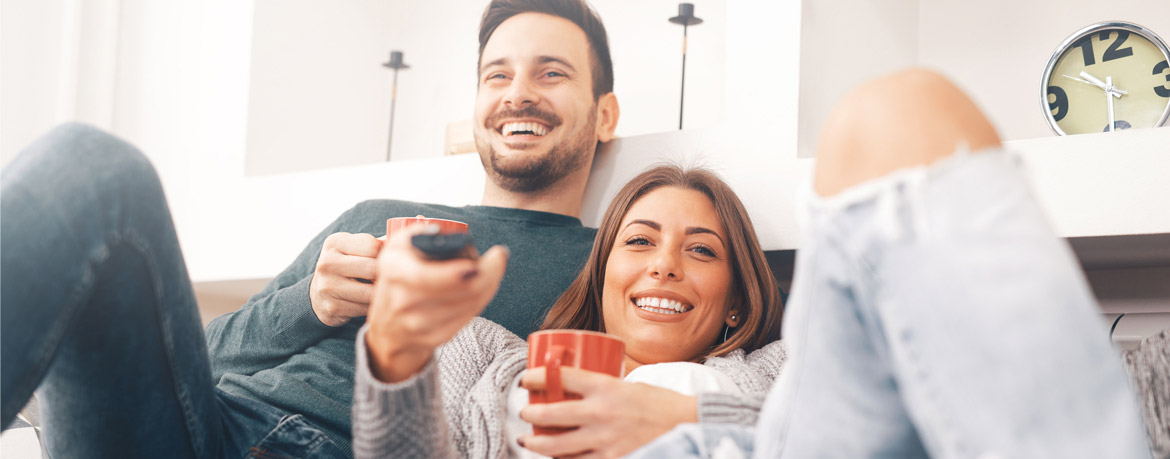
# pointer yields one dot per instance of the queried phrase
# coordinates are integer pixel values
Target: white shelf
(996, 50)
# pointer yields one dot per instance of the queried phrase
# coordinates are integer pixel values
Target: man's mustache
(529, 112)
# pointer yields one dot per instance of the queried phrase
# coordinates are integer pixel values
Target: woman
(676, 271)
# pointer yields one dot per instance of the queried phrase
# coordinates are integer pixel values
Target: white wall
(998, 57)
(840, 51)
(30, 48)
(182, 88)
(319, 96)
(58, 62)
(995, 50)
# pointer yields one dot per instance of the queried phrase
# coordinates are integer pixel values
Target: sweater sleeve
(754, 373)
(403, 419)
(274, 324)
(1149, 370)
(454, 407)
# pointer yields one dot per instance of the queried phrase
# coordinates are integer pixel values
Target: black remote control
(444, 246)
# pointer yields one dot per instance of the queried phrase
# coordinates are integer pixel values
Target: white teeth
(535, 128)
(660, 305)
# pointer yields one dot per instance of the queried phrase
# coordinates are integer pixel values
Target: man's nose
(521, 92)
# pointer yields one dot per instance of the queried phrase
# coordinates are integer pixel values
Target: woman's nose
(666, 267)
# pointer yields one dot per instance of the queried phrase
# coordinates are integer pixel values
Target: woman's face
(668, 278)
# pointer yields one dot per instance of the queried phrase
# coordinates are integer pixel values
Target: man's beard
(528, 172)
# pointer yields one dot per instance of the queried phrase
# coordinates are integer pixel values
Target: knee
(84, 158)
(87, 146)
(909, 118)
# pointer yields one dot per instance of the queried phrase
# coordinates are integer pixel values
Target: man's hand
(337, 291)
(419, 304)
(612, 419)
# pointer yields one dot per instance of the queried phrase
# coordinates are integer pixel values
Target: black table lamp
(686, 17)
(396, 64)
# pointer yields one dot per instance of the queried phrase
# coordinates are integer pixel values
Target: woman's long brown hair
(754, 289)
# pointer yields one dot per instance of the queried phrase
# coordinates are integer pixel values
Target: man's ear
(607, 116)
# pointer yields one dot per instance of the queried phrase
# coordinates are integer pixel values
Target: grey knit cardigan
(455, 407)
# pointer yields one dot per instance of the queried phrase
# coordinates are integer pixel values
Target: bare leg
(935, 310)
(906, 119)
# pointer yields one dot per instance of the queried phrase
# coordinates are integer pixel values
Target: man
(99, 312)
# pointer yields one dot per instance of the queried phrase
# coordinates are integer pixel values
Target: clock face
(1115, 71)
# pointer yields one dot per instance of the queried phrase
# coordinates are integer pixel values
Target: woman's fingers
(575, 380)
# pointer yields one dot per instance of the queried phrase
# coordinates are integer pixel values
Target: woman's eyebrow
(650, 223)
(699, 229)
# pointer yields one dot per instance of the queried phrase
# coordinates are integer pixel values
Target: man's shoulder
(370, 216)
(390, 208)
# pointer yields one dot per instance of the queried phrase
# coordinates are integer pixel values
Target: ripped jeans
(935, 314)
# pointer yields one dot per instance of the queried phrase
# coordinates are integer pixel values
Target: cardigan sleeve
(455, 407)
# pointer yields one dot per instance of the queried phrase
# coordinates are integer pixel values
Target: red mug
(587, 350)
(445, 226)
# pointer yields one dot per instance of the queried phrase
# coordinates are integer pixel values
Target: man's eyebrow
(500, 61)
(699, 229)
(553, 59)
(544, 59)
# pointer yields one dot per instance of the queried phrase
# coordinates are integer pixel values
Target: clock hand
(1109, 100)
(1116, 92)
(1098, 83)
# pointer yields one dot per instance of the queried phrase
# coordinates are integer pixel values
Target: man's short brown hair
(577, 12)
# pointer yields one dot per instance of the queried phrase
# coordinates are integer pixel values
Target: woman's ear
(733, 318)
(735, 301)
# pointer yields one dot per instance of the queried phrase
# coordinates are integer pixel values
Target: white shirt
(686, 378)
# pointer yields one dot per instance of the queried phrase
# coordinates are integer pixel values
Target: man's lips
(523, 128)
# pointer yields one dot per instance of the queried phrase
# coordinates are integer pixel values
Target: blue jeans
(935, 314)
(99, 317)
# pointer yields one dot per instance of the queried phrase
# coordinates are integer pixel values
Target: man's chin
(521, 147)
(519, 156)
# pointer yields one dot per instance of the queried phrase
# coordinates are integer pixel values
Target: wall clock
(1106, 77)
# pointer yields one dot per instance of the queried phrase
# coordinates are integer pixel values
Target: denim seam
(285, 424)
(945, 427)
(195, 430)
(80, 293)
(796, 354)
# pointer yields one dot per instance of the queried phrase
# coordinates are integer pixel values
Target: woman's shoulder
(754, 372)
(775, 352)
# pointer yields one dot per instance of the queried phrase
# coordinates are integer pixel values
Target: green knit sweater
(275, 350)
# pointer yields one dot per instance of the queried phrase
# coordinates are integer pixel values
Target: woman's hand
(612, 419)
(419, 304)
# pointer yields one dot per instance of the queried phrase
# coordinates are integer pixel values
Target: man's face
(535, 115)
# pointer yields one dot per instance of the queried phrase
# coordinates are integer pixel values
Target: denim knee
(83, 160)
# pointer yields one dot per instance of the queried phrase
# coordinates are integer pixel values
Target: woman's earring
(727, 328)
